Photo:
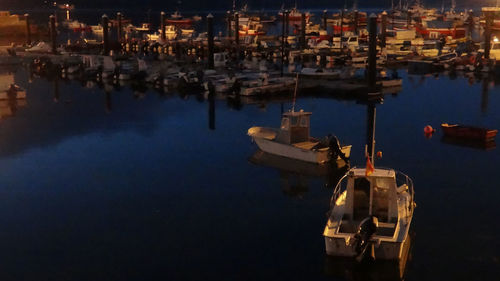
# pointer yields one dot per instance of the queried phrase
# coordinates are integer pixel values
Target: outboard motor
(336, 149)
(366, 229)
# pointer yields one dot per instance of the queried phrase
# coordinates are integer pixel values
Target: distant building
(12, 25)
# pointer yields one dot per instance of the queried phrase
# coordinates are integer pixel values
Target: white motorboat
(265, 85)
(292, 140)
(40, 47)
(97, 29)
(370, 214)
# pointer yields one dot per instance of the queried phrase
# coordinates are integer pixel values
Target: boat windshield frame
(400, 179)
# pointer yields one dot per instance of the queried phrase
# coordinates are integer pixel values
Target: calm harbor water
(134, 185)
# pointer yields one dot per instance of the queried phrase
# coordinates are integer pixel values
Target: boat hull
(466, 132)
(336, 246)
(314, 156)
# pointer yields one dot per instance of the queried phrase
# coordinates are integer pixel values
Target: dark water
(135, 186)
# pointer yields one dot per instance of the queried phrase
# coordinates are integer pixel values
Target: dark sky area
(203, 5)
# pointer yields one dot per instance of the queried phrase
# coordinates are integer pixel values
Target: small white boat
(370, 214)
(391, 82)
(266, 85)
(41, 47)
(97, 29)
(292, 140)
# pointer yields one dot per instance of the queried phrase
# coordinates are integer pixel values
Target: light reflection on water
(105, 183)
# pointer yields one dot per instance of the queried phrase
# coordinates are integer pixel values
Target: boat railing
(403, 179)
(339, 188)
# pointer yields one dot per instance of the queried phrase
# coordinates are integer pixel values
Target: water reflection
(477, 144)
(294, 174)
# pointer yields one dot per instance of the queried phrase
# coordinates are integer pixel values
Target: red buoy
(429, 130)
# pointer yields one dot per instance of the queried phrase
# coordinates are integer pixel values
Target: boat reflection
(10, 102)
(387, 270)
(294, 174)
(477, 144)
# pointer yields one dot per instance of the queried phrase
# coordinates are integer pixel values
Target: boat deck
(307, 145)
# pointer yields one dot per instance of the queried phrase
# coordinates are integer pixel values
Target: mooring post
(162, 25)
(325, 19)
(28, 29)
(384, 29)
(119, 26)
(105, 39)
(53, 33)
(287, 22)
(237, 28)
(210, 34)
(470, 26)
(283, 42)
(408, 20)
(372, 52)
(341, 25)
(487, 34)
(303, 43)
(229, 29)
(356, 15)
(370, 130)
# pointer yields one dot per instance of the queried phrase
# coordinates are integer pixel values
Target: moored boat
(370, 214)
(468, 132)
(293, 140)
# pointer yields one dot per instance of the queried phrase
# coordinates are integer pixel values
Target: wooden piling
(325, 20)
(372, 52)
(408, 20)
(237, 28)
(287, 22)
(487, 33)
(370, 130)
(53, 33)
(28, 29)
(105, 37)
(283, 21)
(341, 25)
(229, 29)
(356, 19)
(303, 43)
(162, 26)
(119, 26)
(210, 35)
(383, 30)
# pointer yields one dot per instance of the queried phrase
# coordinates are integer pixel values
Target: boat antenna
(295, 92)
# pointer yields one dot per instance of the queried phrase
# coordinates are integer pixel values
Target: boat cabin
(374, 195)
(294, 127)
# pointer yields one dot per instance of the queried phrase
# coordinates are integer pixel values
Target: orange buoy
(429, 130)
(379, 154)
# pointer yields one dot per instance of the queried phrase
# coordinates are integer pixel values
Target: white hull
(314, 156)
(392, 83)
(385, 250)
(392, 204)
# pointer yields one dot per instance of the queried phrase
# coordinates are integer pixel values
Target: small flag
(369, 167)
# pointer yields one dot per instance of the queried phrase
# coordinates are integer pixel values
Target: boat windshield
(285, 123)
